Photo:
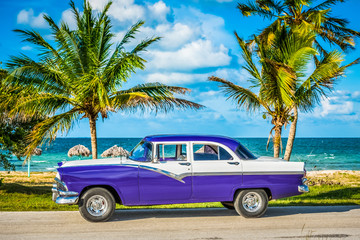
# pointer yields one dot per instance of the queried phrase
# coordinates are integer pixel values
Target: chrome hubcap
(97, 205)
(251, 202)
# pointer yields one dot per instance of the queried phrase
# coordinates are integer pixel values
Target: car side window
(172, 152)
(206, 152)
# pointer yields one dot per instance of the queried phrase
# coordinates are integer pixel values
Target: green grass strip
(30, 197)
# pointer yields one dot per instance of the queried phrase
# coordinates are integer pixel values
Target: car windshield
(142, 152)
(244, 153)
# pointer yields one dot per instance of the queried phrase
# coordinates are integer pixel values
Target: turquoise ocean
(317, 153)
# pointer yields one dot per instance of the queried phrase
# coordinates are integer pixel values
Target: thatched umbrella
(115, 151)
(37, 152)
(79, 150)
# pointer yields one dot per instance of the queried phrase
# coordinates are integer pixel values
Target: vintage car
(170, 169)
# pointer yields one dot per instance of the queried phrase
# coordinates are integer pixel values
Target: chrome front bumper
(303, 187)
(63, 196)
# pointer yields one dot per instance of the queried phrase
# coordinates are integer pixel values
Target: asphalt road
(336, 222)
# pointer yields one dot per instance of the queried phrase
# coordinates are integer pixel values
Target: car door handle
(185, 163)
(233, 163)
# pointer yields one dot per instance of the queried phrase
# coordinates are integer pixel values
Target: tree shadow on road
(136, 214)
(286, 211)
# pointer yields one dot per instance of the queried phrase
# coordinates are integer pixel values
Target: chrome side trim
(215, 173)
(166, 173)
(275, 173)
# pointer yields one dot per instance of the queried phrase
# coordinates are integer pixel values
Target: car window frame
(231, 152)
(156, 158)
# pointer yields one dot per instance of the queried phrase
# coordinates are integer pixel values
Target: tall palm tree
(280, 63)
(300, 15)
(309, 91)
(305, 15)
(81, 75)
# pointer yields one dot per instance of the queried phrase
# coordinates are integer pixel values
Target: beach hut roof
(115, 151)
(79, 150)
(37, 152)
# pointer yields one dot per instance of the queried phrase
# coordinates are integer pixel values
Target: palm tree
(308, 92)
(303, 15)
(280, 63)
(81, 75)
(299, 15)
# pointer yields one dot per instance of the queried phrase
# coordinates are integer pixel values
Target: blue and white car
(169, 169)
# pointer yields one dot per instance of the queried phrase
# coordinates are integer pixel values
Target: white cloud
(121, 10)
(176, 78)
(233, 75)
(26, 48)
(216, 102)
(159, 11)
(230, 74)
(339, 106)
(173, 36)
(68, 17)
(23, 16)
(28, 17)
(176, 36)
(334, 106)
(194, 55)
(207, 26)
(355, 96)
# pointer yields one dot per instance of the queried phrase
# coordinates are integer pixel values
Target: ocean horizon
(317, 153)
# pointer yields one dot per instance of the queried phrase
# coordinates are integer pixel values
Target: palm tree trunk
(92, 121)
(292, 133)
(276, 140)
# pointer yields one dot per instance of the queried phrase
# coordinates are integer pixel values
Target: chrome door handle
(233, 163)
(186, 164)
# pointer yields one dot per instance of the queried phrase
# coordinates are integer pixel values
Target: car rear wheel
(228, 205)
(97, 205)
(251, 203)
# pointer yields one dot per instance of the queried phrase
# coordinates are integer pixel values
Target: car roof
(229, 142)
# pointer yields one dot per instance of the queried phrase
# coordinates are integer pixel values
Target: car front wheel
(97, 205)
(251, 203)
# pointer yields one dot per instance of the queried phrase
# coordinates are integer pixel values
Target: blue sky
(197, 42)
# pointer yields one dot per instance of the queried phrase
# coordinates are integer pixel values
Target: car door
(167, 178)
(216, 171)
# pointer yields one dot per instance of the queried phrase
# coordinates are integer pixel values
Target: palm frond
(48, 129)
(263, 10)
(327, 72)
(250, 66)
(165, 104)
(242, 96)
(156, 89)
(324, 5)
(42, 104)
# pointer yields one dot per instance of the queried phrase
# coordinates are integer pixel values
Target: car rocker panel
(179, 169)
